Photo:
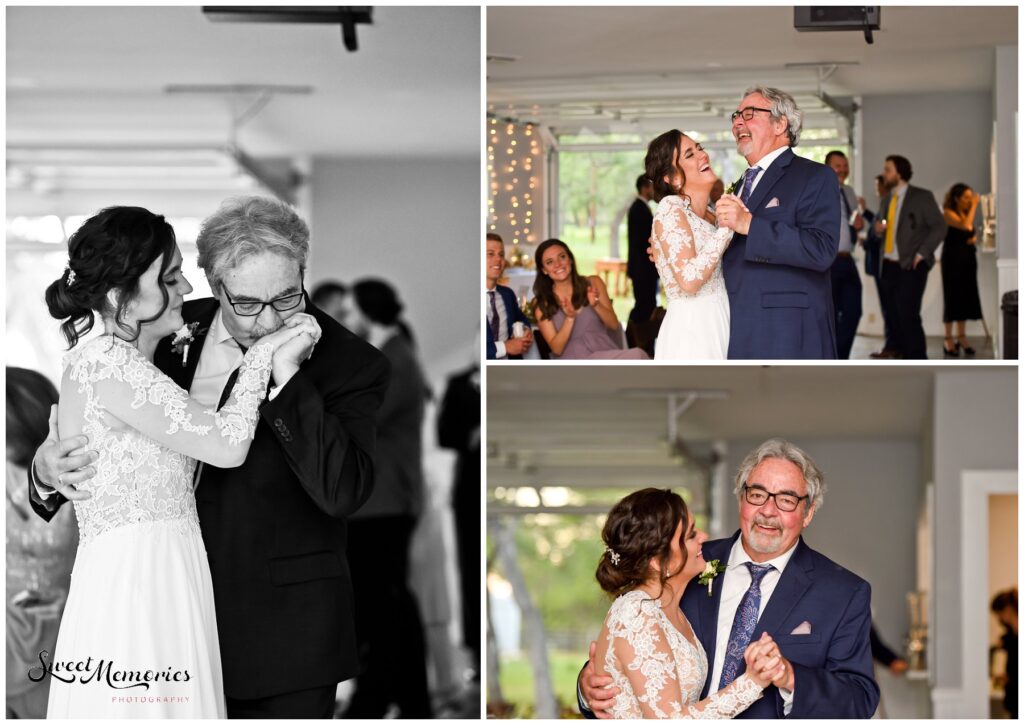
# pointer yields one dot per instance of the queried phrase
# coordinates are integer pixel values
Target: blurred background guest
(960, 299)
(639, 267)
(393, 672)
(1004, 606)
(329, 296)
(873, 262)
(574, 313)
(40, 555)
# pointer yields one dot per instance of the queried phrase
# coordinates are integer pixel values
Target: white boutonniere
(183, 339)
(712, 569)
(735, 187)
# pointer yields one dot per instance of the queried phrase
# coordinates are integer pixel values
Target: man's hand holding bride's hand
(293, 343)
(597, 690)
(766, 665)
(733, 214)
(64, 464)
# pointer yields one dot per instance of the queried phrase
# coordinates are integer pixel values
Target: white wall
(416, 224)
(975, 429)
(866, 524)
(947, 137)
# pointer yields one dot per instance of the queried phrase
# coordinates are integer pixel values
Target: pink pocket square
(773, 203)
(802, 628)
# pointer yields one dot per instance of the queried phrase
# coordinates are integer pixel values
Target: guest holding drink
(575, 313)
(960, 298)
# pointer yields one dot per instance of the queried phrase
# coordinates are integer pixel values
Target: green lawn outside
(517, 681)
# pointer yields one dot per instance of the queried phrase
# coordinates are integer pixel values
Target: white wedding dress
(140, 608)
(688, 254)
(659, 672)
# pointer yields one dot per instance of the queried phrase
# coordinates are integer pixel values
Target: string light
(513, 182)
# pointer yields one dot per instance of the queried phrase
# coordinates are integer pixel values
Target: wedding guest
(960, 298)
(912, 227)
(1004, 606)
(40, 556)
(873, 265)
(773, 582)
(389, 626)
(458, 428)
(502, 309)
(575, 313)
(329, 296)
(883, 654)
(847, 292)
(639, 268)
(647, 647)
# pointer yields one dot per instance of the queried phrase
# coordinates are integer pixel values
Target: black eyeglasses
(748, 113)
(757, 496)
(253, 308)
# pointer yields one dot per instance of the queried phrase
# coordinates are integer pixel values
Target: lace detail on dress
(139, 479)
(659, 672)
(687, 250)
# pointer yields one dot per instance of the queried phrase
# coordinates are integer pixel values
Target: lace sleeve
(674, 241)
(117, 379)
(728, 702)
(639, 643)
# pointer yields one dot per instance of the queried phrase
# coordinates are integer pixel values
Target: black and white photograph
(242, 362)
(705, 183)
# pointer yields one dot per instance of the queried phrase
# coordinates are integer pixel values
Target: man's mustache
(765, 521)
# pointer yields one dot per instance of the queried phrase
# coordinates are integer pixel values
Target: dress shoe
(885, 354)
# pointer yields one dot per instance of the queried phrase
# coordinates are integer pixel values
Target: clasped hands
(765, 666)
(733, 214)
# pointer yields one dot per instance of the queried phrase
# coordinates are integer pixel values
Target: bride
(647, 645)
(139, 635)
(688, 248)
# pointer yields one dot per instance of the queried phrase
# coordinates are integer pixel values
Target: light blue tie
(748, 182)
(743, 624)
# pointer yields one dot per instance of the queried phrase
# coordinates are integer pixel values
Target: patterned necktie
(890, 224)
(494, 321)
(748, 182)
(743, 624)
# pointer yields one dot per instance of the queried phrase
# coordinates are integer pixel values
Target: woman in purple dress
(574, 313)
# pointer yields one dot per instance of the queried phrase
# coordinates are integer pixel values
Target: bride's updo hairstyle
(110, 251)
(661, 162)
(639, 529)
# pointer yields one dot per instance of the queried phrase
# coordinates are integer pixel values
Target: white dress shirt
(736, 581)
(499, 304)
(763, 164)
(220, 356)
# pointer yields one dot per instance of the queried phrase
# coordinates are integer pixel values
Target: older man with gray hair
(275, 528)
(786, 215)
(818, 613)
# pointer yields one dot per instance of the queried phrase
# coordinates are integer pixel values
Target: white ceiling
(95, 75)
(580, 423)
(625, 59)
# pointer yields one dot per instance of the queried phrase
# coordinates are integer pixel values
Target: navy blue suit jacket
(777, 276)
(832, 664)
(513, 313)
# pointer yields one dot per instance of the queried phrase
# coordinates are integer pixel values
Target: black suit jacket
(638, 225)
(274, 528)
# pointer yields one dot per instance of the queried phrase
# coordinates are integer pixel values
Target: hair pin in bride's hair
(71, 273)
(613, 556)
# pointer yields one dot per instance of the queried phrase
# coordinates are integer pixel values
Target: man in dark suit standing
(639, 267)
(786, 219)
(847, 291)
(502, 309)
(912, 227)
(818, 613)
(275, 528)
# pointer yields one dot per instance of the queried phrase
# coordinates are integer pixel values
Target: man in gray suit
(911, 227)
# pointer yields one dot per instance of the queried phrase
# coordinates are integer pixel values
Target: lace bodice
(149, 433)
(687, 250)
(659, 672)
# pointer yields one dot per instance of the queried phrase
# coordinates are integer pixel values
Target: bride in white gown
(139, 634)
(688, 248)
(647, 645)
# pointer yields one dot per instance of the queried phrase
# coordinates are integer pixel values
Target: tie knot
(752, 172)
(757, 571)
